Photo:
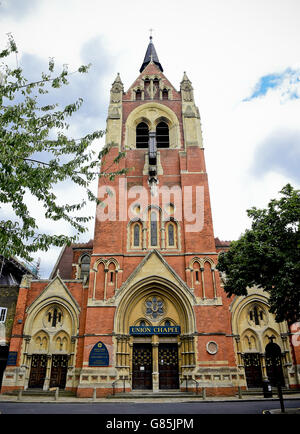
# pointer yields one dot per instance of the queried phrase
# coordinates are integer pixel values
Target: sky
(242, 57)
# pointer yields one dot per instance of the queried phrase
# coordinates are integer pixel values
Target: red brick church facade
(142, 306)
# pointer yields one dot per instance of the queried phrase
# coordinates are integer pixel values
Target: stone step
(154, 395)
(41, 392)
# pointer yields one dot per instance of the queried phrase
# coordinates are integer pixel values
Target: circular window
(212, 347)
(170, 209)
(136, 209)
(154, 308)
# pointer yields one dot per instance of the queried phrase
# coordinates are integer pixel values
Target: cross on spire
(150, 55)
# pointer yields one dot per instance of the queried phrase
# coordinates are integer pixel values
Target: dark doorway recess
(142, 366)
(273, 364)
(37, 371)
(59, 371)
(168, 366)
(253, 370)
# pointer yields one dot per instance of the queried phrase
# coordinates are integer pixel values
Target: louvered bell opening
(142, 135)
(162, 135)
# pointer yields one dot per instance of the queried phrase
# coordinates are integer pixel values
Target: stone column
(130, 358)
(48, 372)
(94, 285)
(191, 276)
(144, 235)
(163, 235)
(27, 373)
(105, 282)
(202, 279)
(263, 366)
(214, 282)
(155, 363)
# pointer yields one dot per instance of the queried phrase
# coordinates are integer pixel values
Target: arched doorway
(155, 327)
(274, 365)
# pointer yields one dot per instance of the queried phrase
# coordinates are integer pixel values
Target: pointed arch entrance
(274, 365)
(155, 328)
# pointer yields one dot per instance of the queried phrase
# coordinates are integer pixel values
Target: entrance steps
(41, 392)
(161, 394)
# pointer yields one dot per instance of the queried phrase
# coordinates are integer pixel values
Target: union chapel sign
(154, 330)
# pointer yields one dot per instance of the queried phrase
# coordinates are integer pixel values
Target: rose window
(154, 308)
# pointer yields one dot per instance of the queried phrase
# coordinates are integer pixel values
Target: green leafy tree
(268, 256)
(29, 129)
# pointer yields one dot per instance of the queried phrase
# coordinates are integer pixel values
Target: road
(115, 408)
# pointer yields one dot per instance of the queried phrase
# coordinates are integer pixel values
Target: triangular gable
(155, 265)
(56, 288)
(151, 69)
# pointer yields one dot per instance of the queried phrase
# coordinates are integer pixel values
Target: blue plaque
(154, 330)
(99, 355)
(12, 358)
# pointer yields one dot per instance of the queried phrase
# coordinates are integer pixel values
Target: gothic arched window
(138, 95)
(142, 135)
(165, 94)
(257, 316)
(153, 229)
(85, 266)
(54, 317)
(147, 88)
(155, 88)
(136, 235)
(162, 135)
(171, 234)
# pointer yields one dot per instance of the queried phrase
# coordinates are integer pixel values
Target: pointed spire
(185, 77)
(150, 56)
(118, 79)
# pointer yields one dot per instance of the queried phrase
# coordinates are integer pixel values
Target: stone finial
(118, 79)
(186, 88)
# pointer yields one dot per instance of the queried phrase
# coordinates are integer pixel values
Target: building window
(136, 235)
(154, 307)
(138, 95)
(54, 317)
(85, 266)
(171, 235)
(155, 88)
(3, 312)
(147, 89)
(257, 315)
(142, 135)
(153, 229)
(165, 94)
(162, 135)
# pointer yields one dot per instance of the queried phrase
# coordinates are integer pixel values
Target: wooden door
(253, 370)
(142, 366)
(37, 371)
(168, 366)
(59, 370)
(274, 365)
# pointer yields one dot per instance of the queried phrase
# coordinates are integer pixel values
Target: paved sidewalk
(74, 399)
